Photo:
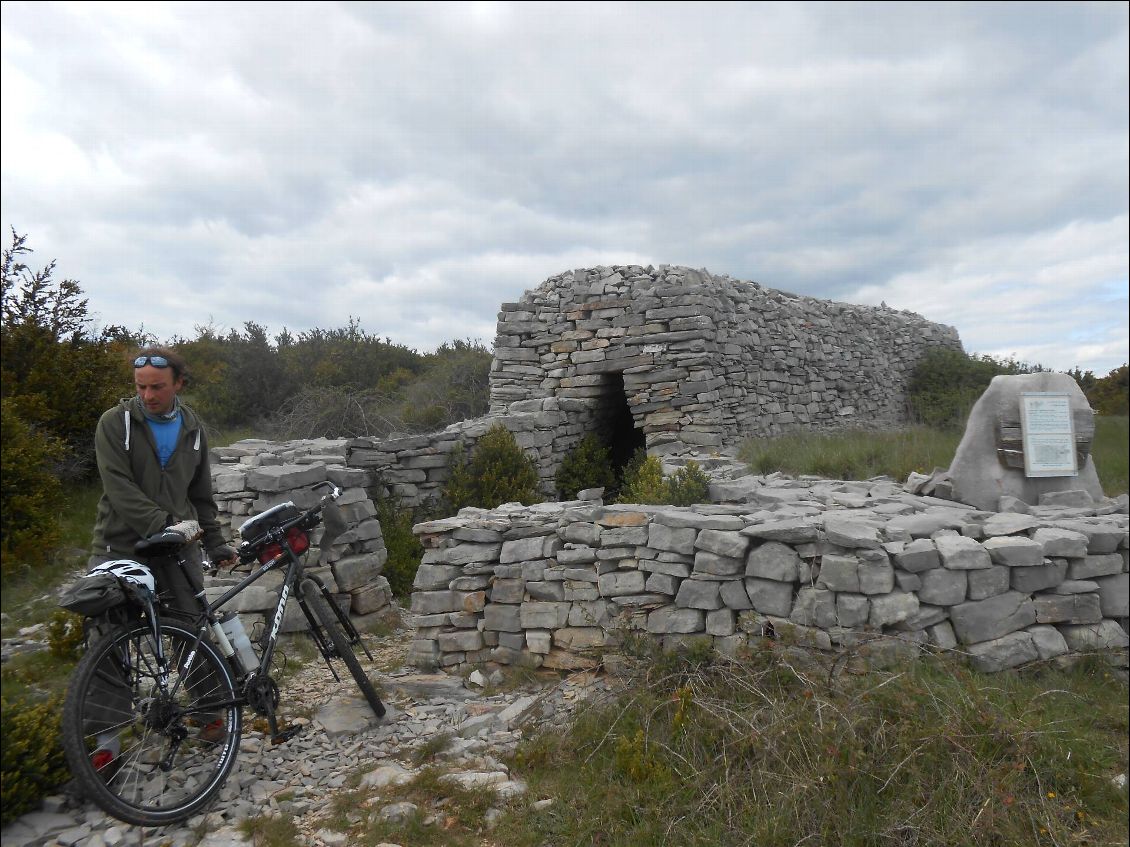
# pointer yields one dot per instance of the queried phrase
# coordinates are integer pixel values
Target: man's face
(157, 388)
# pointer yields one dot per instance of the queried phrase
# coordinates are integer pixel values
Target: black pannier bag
(93, 595)
(254, 530)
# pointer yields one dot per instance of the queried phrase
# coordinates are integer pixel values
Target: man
(152, 456)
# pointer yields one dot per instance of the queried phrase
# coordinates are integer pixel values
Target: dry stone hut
(673, 359)
(691, 359)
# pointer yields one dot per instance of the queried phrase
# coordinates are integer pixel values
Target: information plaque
(1049, 434)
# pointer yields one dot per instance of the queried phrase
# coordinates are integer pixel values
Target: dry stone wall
(830, 565)
(415, 468)
(677, 358)
(707, 360)
(253, 475)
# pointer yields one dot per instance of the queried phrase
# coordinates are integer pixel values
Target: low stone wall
(253, 475)
(826, 564)
(415, 468)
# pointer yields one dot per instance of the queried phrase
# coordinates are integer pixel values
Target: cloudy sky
(415, 165)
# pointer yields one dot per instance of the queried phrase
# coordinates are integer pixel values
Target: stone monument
(1028, 439)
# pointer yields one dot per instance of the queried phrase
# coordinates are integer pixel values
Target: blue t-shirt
(165, 433)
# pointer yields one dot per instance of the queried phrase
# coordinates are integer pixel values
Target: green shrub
(946, 383)
(29, 592)
(453, 387)
(645, 484)
(498, 472)
(57, 373)
(33, 761)
(643, 481)
(588, 465)
(336, 383)
(30, 493)
(689, 485)
(65, 636)
(458, 491)
(404, 548)
(1111, 393)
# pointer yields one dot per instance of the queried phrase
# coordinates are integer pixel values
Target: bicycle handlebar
(169, 540)
(248, 551)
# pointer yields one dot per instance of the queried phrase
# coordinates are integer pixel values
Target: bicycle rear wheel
(151, 746)
(312, 594)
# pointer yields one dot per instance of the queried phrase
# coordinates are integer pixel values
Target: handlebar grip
(189, 529)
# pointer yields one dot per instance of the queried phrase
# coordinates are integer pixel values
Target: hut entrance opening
(616, 426)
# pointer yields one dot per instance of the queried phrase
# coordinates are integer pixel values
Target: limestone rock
(980, 478)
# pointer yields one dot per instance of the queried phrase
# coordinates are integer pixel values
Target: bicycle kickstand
(283, 736)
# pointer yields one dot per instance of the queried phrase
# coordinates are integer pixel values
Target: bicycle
(171, 702)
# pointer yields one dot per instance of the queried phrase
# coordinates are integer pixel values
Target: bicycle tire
(312, 594)
(165, 770)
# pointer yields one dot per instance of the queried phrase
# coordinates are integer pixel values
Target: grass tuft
(432, 748)
(446, 815)
(763, 752)
(271, 831)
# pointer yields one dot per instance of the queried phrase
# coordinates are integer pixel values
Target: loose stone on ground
(342, 745)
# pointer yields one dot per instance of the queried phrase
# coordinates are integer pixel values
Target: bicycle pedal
(286, 734)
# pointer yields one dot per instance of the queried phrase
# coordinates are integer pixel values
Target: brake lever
(335, 491)
(210, 567)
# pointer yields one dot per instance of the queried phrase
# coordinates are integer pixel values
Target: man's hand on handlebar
(223, 556)
(189, 530)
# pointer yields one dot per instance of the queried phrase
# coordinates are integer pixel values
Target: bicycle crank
(262, 695)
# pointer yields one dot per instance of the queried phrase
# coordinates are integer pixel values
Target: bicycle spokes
(151, 727)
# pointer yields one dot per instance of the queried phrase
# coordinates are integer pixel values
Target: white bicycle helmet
(132, 572)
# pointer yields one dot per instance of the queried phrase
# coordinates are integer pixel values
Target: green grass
(763, 752)
(271, 831)
(853, 455)
(35, 675)
(228, 437)
(28, 596)
(432, 748)
(1111, 454)
(446, 815)
(77, 518)
(863, 455)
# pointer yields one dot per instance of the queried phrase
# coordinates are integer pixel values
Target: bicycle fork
(325, 644)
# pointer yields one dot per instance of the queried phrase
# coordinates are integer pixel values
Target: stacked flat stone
(704, 361)
(708, 360)
(414, 469)
(831, 565)
(254, 475)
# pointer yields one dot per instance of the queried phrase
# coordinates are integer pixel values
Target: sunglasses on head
(155, 361)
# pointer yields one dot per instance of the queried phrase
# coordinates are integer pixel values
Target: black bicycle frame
(204, 621)
(290, 582)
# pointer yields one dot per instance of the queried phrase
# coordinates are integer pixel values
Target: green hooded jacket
(139, 497)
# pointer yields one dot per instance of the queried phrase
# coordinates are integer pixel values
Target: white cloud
(414, 165)
(1056, 297)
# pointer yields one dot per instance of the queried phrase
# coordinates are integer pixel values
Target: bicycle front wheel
(151, 743)
(312, 594)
